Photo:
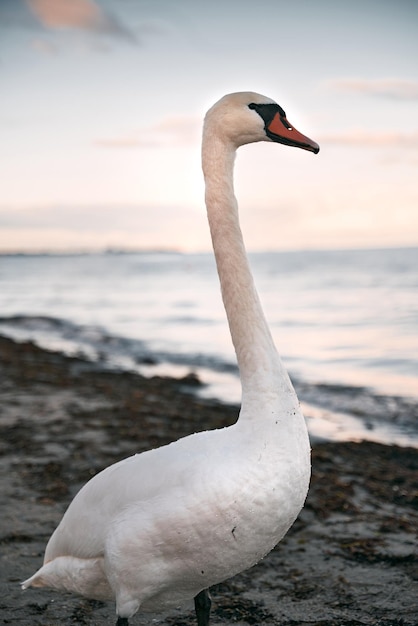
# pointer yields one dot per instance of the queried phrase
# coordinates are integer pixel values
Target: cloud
(78, 14)
(98, 217)
(169, 132)
(385, 88)
(126, 141)
(76, 218)
(14, 14)
(373, 139)
(58, 227)
(45, 46)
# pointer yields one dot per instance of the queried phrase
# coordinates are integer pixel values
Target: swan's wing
(138, 479)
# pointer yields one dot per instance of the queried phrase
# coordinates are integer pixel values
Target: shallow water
(346, 319)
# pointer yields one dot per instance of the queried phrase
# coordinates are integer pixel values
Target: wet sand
(350, 559)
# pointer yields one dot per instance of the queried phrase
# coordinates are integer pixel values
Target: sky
(102, 102)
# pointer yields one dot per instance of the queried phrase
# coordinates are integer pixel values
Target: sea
(344, 321)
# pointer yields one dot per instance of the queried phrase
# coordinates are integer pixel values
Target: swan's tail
(85, 577)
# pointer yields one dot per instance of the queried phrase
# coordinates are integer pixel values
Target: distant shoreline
(123, 251)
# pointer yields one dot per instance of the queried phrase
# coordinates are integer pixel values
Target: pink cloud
(77, 14)
(373, 138)
(171, 131)
(388, 88)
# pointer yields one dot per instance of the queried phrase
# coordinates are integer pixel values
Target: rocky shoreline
(351, 558)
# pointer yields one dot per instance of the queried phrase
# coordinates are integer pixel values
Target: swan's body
(159, 527)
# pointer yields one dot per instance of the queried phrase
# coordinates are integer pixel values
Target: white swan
(160, 527)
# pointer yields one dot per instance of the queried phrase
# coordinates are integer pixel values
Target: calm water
(341, 320)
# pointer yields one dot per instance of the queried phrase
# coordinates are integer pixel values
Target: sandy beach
(351, 557)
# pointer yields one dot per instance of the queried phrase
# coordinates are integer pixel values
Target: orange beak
(280, 130)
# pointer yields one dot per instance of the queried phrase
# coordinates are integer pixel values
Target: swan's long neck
(262, 374)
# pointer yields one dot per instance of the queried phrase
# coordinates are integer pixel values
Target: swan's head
(247, 117)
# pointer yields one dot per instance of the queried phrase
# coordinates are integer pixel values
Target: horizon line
(168, 250)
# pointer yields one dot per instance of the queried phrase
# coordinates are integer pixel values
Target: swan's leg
(122, 621)
(202, 604)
